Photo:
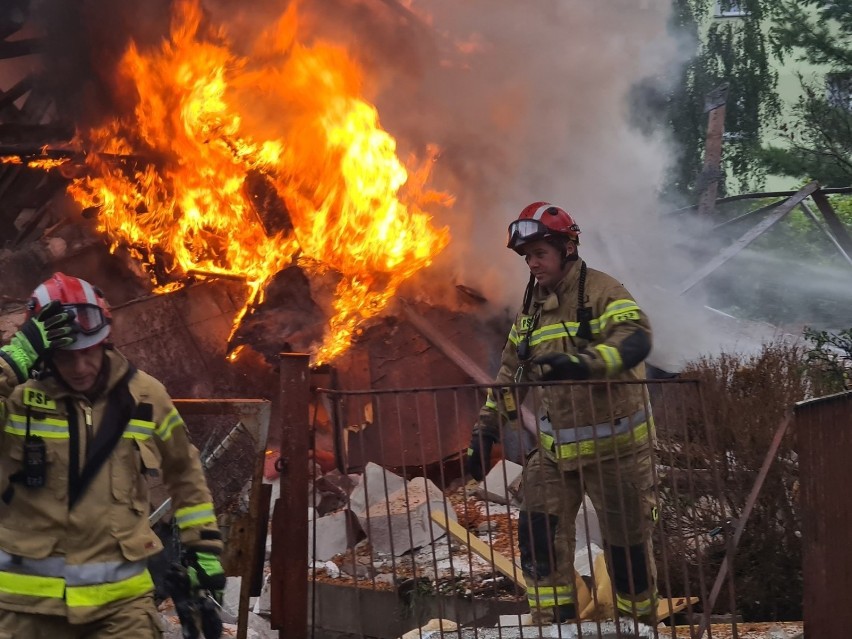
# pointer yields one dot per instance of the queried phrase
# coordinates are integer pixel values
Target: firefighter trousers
(622, 492)
(137, 619)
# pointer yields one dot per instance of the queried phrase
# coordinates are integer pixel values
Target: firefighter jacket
(575, 422)
(78, 549)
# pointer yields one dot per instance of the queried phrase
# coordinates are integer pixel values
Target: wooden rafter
(748, 237)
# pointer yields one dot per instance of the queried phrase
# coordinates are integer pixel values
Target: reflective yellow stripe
(47, 427)
(139, 429)
(490, 402)
(603, 446)
(171, 421)
(100, 594)
(550, 596)
(611, 357)
(619, 311)
(32, 585)
(639, 607)
(558, 331)
(513, 335)
(195, 515)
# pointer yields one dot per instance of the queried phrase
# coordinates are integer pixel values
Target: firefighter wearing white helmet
(576, 323)
(77, 443)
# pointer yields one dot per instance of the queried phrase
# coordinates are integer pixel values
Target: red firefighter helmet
(541, 221)
(90, 308)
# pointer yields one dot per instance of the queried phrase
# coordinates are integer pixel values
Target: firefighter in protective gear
(78, 442)
(576, 324)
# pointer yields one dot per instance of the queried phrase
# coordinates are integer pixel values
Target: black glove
(51, 328)
(478, 460)
(563, 366)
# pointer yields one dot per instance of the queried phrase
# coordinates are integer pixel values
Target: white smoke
(527, 101)
(531, 101)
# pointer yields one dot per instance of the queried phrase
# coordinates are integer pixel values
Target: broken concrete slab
(333, 534)
(403, 521)
(374, 487)
(502, 482)
(263, 604)
(231, 600)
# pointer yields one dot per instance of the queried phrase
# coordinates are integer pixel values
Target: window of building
(730, 9)
(838, 90)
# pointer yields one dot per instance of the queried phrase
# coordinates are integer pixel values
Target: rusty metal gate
(824, 428)
(378, 549)
(231, 435)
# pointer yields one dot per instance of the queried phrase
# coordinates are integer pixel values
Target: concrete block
(374, 487)
(263, 604)
(231, 600)
(259, 628)
(501, 483)
(402, 522)
(335, 534)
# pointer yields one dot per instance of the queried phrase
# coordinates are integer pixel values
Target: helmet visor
(523, 231)
(89, 317)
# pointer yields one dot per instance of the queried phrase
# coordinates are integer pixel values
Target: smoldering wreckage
(211, 282)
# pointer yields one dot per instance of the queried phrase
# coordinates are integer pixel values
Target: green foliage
(814, 30)
(733, 51)
(821, 136)
(799, 161)
(830, 359)
(792, 274)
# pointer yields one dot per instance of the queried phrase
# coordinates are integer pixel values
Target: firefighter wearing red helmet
(576, 323)
(78, 440)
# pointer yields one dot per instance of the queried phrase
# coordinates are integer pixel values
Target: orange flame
(45, 164)
(289, 113)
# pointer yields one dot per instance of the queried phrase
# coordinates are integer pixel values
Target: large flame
(206, 120)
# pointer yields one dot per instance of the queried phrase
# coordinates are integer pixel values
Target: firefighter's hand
(40, 335)
(562, 366)
(206, 572)
(478, 459)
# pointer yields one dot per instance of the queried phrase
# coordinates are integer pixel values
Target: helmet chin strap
(572, 257)
(528, 294)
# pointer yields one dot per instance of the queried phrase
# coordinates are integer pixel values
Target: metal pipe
(288, 559)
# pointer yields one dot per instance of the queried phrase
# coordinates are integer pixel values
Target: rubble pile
(383, 536)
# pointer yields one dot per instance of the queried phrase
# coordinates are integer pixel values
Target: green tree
(734, 50)
(818, 32)
(830, 359)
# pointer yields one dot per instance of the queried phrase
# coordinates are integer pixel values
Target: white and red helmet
(92, 316)
(541, 221)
